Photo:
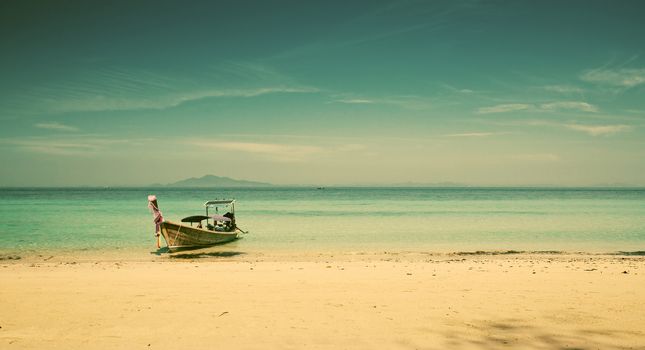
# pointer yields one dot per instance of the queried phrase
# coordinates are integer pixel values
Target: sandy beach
(403, 300)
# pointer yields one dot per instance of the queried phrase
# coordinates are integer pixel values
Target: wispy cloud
(545, 107)
(403, 101)
(598, 130)
(622, 77)
(352, 147)
(272, 151)
(564, 89)
(504, 108)
(457, 90)
(281, 152)
(473, 134)
(408, 102)
(355, 101)
(577, 105)
(119, 89)
(81, 145)
(96, 103)
(55, 126)
(590, 129)
(536, 157)
(346, 34)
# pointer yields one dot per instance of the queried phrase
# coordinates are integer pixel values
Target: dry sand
(226, 300)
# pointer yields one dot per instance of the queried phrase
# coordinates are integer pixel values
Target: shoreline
(226, 253)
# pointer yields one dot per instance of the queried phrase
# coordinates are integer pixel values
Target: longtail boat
(208, 230)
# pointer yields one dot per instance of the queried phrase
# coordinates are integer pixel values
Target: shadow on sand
(195, 254)
(205, 255)
(162, 250)
(511, 334)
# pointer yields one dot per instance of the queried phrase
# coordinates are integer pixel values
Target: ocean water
(331, 219)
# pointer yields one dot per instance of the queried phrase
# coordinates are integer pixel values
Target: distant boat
(208, 230)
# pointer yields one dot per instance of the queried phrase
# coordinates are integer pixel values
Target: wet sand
(362, 300)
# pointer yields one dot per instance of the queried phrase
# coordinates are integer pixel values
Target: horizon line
(318, 186)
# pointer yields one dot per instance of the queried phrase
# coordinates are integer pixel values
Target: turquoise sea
(330, 219)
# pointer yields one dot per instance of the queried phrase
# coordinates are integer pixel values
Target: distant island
(214, 181)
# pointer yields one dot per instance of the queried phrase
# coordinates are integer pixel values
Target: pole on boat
(152, 204)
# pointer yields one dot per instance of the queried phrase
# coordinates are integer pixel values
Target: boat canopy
(219, 202)
(200, 218)
(194, 218)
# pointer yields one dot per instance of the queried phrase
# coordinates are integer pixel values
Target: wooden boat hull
(179, 236)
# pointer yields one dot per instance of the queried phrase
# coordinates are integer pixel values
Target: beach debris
(494, 252)
(637, 253)
(10, 257)
(625, 272)
(222, 314)
(594, 269)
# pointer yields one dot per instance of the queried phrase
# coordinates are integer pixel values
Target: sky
(486, 93)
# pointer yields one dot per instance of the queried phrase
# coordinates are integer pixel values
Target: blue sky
(325, 92)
